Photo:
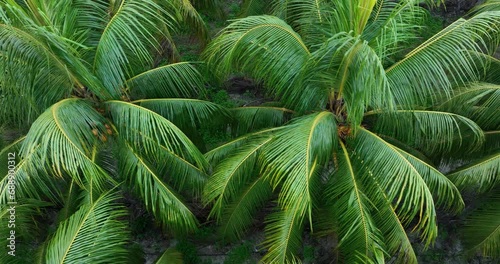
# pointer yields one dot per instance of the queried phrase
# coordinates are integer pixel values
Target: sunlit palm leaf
(293, 161)
(185, 113)
(294, 157)
(218, 154)
(444, 191)
(329, 74)
(392, 26)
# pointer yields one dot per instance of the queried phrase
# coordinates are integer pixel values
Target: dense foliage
(367, 132)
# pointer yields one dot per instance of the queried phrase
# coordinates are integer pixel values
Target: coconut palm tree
(355, 162)
(96, 115)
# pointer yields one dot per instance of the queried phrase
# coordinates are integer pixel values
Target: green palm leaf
(431, 131)
(124, 46)
(94, 234)
(30, 182)
(396, 240)
(445, 192)
(57, 133)
(478, 101)
(404, 184)
(239, 214)
(358, 235)
(232, 174)
(482, 230)
(483, 174)
(250, 45)
(392, 27)
(31, 76)
(292, 162)
(443, 60)
(170, 256)
(329, 74)
(489, 5)
(148, 182)
(218, 154)
(146, 130)
(251, 118)
(187, 114)
(283, 236)
(173, 80)
(294, 157)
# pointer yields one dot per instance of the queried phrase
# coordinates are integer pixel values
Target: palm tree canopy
(96, 111)
(353, 158)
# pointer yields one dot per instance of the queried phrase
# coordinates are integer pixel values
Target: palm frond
(160, 198)
(395, 236)
(283, 236)
(173, 80)
(192, 18)
(19, 217)
(444, 60)
(31, 76)
(218, 154)
(57, 133)
(292, 161)
(392, 26)
(431, 131)
(489, 5)
(264, 47)
(251, 118)
(329, 74)
(404, 185)
(95, 233)
(124, 46)
(239, 214)
(479, 102)
(293, 158)
(445, 192)
(31, 183)
(146, 130)
(187, 114)
(482, 175)
(170, 256)
(347, 194)
(482, 229)
(232, 174)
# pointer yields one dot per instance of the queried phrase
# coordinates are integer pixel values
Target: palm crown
(85, 80)
(352, 161)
